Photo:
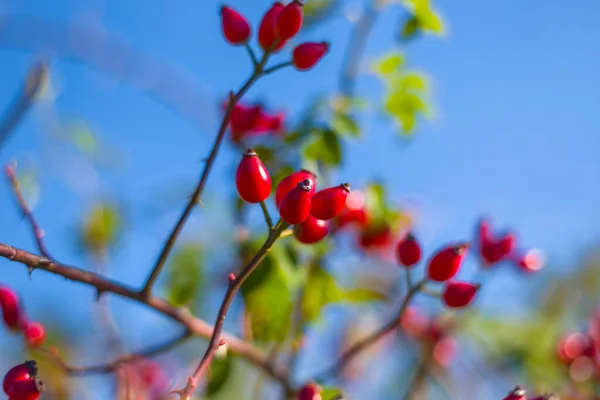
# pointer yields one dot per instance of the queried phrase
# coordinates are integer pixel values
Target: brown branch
(113, 365)
(23, 100)
(419, 378)
(373, 338)
(182, 316)
(234, 285)
(195, 198)
(38, 233)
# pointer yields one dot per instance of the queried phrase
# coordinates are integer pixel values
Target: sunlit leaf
(389, 63)
(325, 148)
(185, 274)
(361, 295)
(317, 11)
(415, 81)
(321, 289)
(330, 393)
(345, 124)
(101, 227)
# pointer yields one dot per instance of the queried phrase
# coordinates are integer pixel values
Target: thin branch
(182, 316)
(234, 285)
(38, 232)
(195, 198)
(419, 378)
(268, 218)
(113, 365)
(373, 338)
(252, 55)
(23, 100)
(276, 67)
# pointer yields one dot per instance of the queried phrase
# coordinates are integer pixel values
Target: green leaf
(345, 124)
(325, 149)
(410, 28)
(360, 295)
(185, 274)
(267, 296)
(389, 63)
(101, 227)
(415, 81)
(321, 289)
(220, 370)
(266, 154)
(316, 11)
(330, 393)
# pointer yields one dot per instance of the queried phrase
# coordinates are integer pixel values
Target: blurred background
(439, 113)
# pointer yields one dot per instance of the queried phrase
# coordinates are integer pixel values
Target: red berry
(291, 181)
(266, 31)
(311, 230)
(444, 351)
(307, 55)
(329, 203)
(517, 393)
(408, 251)
(252, 179)
(376, 237)
(29, 389)
(289, 20)
(295, 206)
(459, 294)
(35, 334)
(413, 322)
(446, 262)
(25, 371)
(531, 261)
(236, 28)
(310, 391)
(11, 309)
(571, 347)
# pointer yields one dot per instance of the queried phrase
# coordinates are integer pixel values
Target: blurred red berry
(310, 391)
(266, 31)
(444, 351)
(531, 261)
(492, 249)
(12, 313)
(35, 334)
(329, 203)
(295, 206)
(571, 347)
(408, 251)
(28, 389)
(312, 230)
(236, 28)
(25, 371)
(517, 393)
(459, 294)
(307, 55)
(252, 179)
(291, 181)
(376, 237)
(289, 20)
(446, 262)
(413, 322)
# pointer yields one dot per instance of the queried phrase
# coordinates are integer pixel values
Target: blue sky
(515, 136)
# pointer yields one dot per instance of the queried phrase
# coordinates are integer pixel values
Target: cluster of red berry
(252, 120)
(279, 24)
(310, 391)
(21, 382)
(15, 319)
(433, 335)
(519, 393)
(580, 351)
(296, 197)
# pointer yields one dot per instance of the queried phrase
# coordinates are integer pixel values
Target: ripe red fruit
(35, 334)
(329, 203)
(459, 294)
(29, 389)
(446, 262)
(307, 55)
(312, 230)
(266, 31)
(517, 393)
(236, 28)
(11, 309)
(289, 20)
(252, 179)
(494, 251)
(291, 181)
(310, 391)
(295, 206)
(377, 236)
(25, 371)
(408, 251)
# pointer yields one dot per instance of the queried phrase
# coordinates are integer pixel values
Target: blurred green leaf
(320, 289)
(316, 11)
(410, 28)
(345, 124)
(425, 17)
(330, 393)
(220, 370)
(267, 296)
(325, 149)
(101, 227)
(82, 137)
(185, 275)
(361, 295)
(265, 153)
(389, 63)
(414, 81)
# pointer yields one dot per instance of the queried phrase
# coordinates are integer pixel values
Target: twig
(252, 55)
(276, 67)
(195, 198)
(113, 365)
(38, 233)
(182, 316)
(17, 110)
(234, 285)
(394, 323)
(418, 379)
(268, 218)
